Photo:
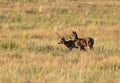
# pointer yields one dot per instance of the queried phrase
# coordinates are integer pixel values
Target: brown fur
(82, 42)
(69, 44)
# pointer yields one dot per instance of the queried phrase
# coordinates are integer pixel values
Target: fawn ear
(62, 37)
(74, 32)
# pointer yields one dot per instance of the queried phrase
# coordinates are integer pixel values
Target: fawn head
(74, 35)
(62, 40)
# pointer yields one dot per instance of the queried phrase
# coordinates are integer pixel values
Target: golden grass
(30, 32)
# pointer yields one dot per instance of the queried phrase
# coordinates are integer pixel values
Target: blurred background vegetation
(31, 29)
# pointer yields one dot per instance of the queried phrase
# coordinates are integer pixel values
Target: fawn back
(84, 42)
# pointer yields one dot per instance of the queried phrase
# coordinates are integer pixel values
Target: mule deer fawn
(69, 44)
(82, 42)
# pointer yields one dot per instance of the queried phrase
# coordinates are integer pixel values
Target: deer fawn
(69, 44)
(81, 43)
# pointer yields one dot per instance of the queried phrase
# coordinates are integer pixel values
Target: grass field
(31, 29)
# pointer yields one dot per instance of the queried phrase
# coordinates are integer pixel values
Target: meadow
(31, 29)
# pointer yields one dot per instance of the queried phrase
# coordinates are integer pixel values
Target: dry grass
(29, 35)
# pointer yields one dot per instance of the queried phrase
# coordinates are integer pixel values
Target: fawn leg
(82, 48)
(70, 49)
(91, 47)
